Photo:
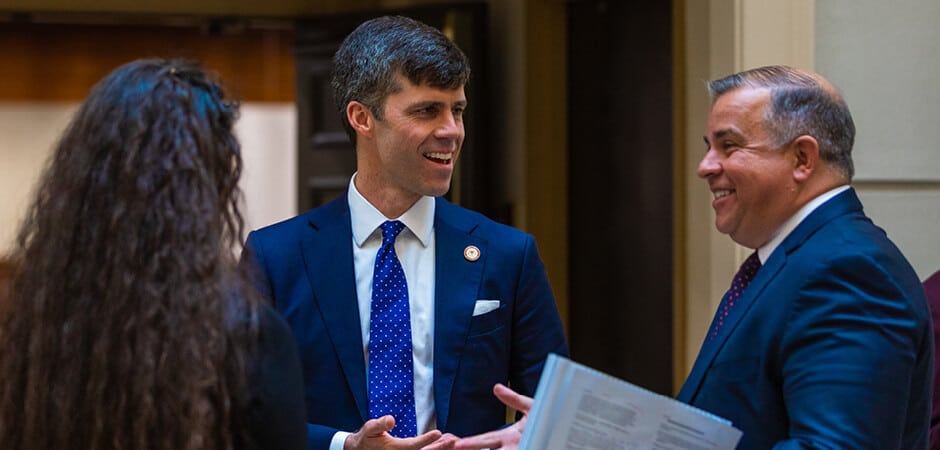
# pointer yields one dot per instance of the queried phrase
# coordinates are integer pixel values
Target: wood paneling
(679, 287)
(620, 189)
(546, 141)
(227, 7)
(60, 62)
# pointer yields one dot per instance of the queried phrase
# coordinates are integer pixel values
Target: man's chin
(723, 228)
(438, 190)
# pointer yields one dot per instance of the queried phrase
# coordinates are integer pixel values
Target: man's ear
(360, 118)
(805, 150)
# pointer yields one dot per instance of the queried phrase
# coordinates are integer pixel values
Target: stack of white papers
(579, 408)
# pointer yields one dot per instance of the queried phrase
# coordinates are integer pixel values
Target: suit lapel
(457, 283)
(843, 203)
(328, 259)
(710, 348)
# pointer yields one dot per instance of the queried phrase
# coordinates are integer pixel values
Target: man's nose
(450, 127)
(709, 165)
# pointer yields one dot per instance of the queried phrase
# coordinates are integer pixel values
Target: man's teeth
(440, 156)
(721, 193)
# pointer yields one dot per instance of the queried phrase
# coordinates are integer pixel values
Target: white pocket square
(484, 306)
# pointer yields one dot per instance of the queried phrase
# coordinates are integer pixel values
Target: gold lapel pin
(471, 253)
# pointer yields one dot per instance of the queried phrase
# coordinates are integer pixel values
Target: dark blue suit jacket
(829, 346)
(305, 267)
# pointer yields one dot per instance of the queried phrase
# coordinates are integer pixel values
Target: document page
(579, 408)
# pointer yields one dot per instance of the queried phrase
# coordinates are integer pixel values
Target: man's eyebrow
(424, 104)
(722, 133)
(435, 103)
(726, 132)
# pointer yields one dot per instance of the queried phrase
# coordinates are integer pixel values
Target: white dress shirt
(415, 249)
(767, 249)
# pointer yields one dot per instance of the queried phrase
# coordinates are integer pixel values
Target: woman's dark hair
(128, 326)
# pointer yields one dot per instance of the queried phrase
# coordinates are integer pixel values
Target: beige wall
(885, 58)
(29, 130)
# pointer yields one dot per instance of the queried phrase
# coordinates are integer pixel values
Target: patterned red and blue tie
(391, 368)
(741, 279)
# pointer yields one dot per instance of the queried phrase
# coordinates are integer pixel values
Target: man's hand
(374, 435)
(446, 442)
(505, 438)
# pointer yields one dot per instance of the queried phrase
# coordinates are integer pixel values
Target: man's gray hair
(801, 103)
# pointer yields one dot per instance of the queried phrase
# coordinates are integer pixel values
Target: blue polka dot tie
(741, 279)
(391, 369)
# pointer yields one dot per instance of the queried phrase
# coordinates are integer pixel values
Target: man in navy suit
(829, 345)
(480, 309)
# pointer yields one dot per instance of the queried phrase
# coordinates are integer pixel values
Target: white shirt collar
(784, 230)
(366, 218)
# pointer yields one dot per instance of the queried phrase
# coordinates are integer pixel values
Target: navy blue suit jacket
(828, 347)
(304, 265)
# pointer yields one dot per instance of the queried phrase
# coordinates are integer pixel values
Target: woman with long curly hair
(128, 325)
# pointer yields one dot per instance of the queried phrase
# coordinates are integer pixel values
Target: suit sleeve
(848, 358)
(537, 329)
(252, 265)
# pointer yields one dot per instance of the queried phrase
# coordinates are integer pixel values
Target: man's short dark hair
(366, 64)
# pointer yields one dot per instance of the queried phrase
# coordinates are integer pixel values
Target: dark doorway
(620, 163)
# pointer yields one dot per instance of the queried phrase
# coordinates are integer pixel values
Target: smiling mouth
(440, 157)
(722, 193)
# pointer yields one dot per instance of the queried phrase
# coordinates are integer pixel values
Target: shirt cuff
(339, 439)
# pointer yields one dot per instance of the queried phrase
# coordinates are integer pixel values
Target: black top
(278, 417)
